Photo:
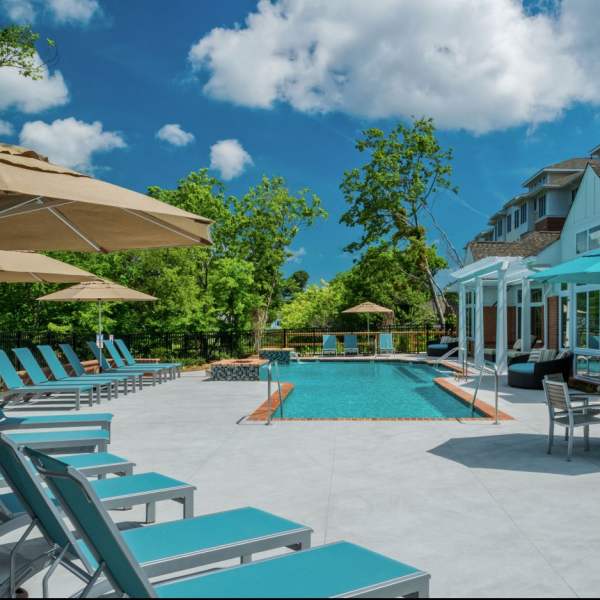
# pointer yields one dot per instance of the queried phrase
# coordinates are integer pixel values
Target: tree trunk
(439, 309)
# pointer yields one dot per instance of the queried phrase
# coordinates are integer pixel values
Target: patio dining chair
(561, 412)
(335, 570)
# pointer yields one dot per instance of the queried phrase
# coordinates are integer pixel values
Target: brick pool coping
(488, 411)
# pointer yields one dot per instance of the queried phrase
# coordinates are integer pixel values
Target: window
(516, 218)
(535, 204)
(594, 238)
(542, 206)
(581, 320)
(524, 213)
(536, 296)
(564, 322)
(508, 223)
(499, 228)
(581, 240)
(588, 320)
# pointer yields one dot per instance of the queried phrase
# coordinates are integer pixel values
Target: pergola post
(501, 309)
(525, 315)
(479, 337)
(545, 294)
(462, 323)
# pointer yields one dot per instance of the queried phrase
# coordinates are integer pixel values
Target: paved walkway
(481, 507)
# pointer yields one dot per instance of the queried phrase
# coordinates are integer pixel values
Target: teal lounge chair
(152, 377)
(60, 374)
(102, 420)
(386, 343)
(80, 371)
(16, 388)
(131, 360)
(38, 377)
(335, 570)
(350, 344)
(161, 549)
(163, 372)
(329, 344)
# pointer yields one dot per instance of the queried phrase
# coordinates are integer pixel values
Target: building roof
(530, 244)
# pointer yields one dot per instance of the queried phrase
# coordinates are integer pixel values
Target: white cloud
(31, 96)
(173, 134)
(20, 11)
(6, 128)
(296, 256)
(73, 11)
(70, 142)
(480, 65)
(229, 158)
(63, 11)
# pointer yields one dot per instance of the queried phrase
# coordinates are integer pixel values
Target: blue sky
(125, 67)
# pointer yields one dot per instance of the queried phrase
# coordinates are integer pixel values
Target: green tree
(294, 284)
(18, 50)
(388, 194)
(316, 306)
(265, 221)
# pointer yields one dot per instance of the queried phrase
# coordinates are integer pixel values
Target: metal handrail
(488, 369)
(269, 387)
(445, 357)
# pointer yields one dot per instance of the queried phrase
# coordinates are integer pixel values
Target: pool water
(367, 390)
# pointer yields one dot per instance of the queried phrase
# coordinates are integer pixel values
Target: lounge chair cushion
(324, 572)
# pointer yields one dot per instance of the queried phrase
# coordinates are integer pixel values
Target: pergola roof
(515, 268)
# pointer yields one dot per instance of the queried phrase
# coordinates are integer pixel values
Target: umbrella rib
(28, 212)
(74, 229)
(167, 227)
(24, 203)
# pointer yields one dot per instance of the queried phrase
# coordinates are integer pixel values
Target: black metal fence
(201, 346)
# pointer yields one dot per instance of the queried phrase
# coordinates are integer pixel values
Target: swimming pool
(367, 390)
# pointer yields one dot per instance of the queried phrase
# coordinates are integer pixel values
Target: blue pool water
(367, 390)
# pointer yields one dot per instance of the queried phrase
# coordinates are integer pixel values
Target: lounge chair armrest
(520, 358)
(147, 360)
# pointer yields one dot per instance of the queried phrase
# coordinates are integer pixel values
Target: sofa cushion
(526, 368)
(546, 355)
(439, 346)
(535, 355)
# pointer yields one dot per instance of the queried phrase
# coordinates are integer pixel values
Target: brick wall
(553, 322)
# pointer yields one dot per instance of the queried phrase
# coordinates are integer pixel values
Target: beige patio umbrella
(368, 308)
(99, 292)
(29, 267)
(48, 207)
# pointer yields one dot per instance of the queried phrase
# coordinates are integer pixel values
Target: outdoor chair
(16, 388)
(340, 569)
(79, 370)
(161, 549)
(60, 374)
(329, 344)
(561, 412)
(132, 361)
(386, 343)
(443, 346)
(350, 344)
(162, 371)
(524, 372)
(152, 377)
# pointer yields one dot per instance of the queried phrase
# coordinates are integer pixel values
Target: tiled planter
(281, 355)
(237, 370)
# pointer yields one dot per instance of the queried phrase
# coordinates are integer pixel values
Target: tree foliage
(387, 195)
(18, 50)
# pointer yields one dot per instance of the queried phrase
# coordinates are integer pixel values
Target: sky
(143, 92)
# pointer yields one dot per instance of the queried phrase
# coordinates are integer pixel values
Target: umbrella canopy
(584, 269)
(94, 291)
(368, 307)
(29, 267)
(98, 291)
(47, 207)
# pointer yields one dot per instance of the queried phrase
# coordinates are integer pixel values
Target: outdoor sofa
(528, 371)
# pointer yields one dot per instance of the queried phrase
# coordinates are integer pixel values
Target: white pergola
(500, 272)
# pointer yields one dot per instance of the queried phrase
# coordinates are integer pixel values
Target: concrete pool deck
(481, 507)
